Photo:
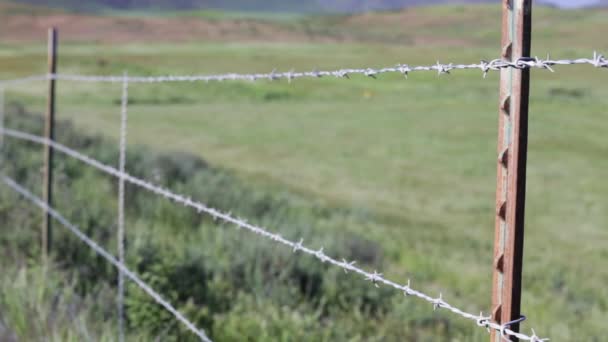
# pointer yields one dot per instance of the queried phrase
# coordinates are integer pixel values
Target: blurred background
(397, 174)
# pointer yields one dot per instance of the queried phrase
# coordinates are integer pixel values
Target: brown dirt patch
(20, 23)
(31, 28)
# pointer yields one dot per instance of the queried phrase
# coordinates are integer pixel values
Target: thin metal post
(121, 207)
(2, 126)
(511, 171)
(49, 133)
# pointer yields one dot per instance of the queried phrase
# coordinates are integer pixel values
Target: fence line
(375, 277)
(121, 207)
(106, 255)
(598, 61)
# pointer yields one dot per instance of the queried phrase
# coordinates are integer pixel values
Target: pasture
(411, 160)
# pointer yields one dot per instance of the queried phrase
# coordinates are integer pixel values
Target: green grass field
(416, 156)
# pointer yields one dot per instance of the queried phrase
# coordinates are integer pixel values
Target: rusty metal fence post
(511, 171)
(49, 133)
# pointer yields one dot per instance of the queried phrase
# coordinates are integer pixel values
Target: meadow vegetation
(396, 174)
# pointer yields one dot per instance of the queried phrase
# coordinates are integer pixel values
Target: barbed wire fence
(299, 248)
(597, 60)
(348, 266)
(104, 254)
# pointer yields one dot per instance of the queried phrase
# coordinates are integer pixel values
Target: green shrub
(234, 284)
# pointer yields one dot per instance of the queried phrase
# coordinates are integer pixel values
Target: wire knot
(374, 278)
(408, 289)
(298, 246)
(214, 214)
(342, 74)
(319, 254)
(546, 64)
(599, 61)
(443, 69)
(404, 69)
(289, 76)
(347, 265)
(484, 321)
(371, 73)
(494, 65)
(438, 303)
(273, 75)
(524, 62)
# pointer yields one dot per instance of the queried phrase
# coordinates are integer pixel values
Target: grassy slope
(100, 6)
(417, 155)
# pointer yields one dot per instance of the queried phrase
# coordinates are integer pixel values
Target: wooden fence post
(49, 133)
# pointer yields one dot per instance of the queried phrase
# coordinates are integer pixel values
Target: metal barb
(374, 278)
(599, 61)
(321, 255)
(438, 303)
(348, 264)
(534, 338)
(407, 289)
(272, 76)
(298, 246)
(404, 69)
(484, 321)
(371, 73)
(485, 68)
(289, 75)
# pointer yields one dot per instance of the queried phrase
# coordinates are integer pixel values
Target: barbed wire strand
(598, 61)
(121, 207)
(26, 79)
(106, 255)
(375, 277)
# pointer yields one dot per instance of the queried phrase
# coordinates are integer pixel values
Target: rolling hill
(314, 6)
(419, 26)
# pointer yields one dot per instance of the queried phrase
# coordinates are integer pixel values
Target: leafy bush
(213, 273)
(233, 284)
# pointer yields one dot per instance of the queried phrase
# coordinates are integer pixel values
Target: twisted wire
(598, 61)
(375, 277)
(105, 254)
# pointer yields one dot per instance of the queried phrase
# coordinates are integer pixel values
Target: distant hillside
(308, 6)
(457, 26)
